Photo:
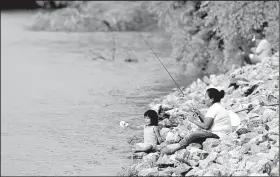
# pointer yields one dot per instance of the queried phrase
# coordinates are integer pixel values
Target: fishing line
(162, 65)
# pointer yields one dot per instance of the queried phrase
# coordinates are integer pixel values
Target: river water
(60, 109)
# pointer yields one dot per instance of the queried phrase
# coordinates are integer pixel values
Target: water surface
(60, 108)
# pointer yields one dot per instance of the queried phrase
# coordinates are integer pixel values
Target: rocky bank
(251, 150)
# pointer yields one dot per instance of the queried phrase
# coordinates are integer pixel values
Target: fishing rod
(163, 65)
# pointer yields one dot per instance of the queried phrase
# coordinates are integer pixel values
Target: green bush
(208, 33)
(96, 16)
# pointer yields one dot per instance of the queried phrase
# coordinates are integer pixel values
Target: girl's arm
(134, 127)
(156, 130)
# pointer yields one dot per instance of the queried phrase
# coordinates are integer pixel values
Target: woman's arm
(208, 121)
(156, 130)
(199, 115)
(134, 127)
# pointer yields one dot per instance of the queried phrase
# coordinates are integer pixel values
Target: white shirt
(222, 122)
(265, 46)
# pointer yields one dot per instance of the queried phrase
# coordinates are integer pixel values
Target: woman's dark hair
(153, 117)
(215, 94)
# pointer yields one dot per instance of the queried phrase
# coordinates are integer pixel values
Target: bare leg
(255, 59)
(195, 136)
(142, 147)
(171, 149)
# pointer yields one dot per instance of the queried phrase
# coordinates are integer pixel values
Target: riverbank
(251, 150)
(97, 16)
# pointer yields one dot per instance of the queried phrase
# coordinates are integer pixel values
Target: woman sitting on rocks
(215, 123)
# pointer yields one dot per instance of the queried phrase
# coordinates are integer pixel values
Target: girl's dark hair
(153, 117)
(215, 94)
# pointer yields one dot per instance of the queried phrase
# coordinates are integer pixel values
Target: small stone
(138, 155)
(241, 131)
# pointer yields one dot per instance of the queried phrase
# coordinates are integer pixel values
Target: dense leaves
(208, 33)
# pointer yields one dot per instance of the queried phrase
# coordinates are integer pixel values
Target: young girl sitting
(151, 132)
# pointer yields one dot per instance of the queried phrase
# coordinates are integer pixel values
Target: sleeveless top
(150, 135)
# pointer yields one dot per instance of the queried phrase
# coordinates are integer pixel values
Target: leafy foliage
(95, 16)
(208, 33)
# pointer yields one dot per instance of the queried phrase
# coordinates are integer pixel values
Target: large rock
(167, 171)
(166, 107)
(163, 132)
(274, 131)
(142, 165)
(210, 143)
(242, 131)
(223, 158)
(257, 163)
(245, 138)
(259, 139)
(274, 123)
(138, 155)
(258, 148)
(197, 154)
(182, 169)
(194, 145)
(273, 154)
(275, 171)
(149, 172)
(173, 137)
(240, 172)
(268, 115)
(208, 161)
(196, 172)
(152, 157)
(181, 155)
(165, 161)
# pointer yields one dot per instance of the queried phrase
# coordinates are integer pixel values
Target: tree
(208, 33)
